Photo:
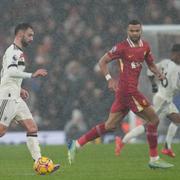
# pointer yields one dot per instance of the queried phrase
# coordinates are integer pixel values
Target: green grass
(93, 162)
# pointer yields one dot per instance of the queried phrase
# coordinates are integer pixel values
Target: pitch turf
(94, 162)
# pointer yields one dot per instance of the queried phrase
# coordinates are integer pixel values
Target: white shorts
(13, 110)
(163, 107)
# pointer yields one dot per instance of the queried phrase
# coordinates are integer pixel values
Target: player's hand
(161, 76)
(113, 85)
(39, 72)
(24, 94)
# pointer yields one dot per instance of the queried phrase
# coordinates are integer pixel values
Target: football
(43, 166)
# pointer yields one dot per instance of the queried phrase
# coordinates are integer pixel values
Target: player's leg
(32, 139)
(137, 131)
(149, 115)
(24, 117)
(7, 109)
(97, 131)
(3, 130)
(175, 120)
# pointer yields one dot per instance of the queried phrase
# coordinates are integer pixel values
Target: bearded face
(27, 37)
(134, 32)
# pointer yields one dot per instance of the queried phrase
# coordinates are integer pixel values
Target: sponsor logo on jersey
(135, 64)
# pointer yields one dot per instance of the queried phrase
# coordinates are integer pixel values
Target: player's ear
(21, 33)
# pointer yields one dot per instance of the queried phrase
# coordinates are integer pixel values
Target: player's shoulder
(12, 50)
(145, 43)
(122, 44)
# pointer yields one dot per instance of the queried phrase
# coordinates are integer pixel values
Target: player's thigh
(114, 119)
(149, 115)
(159, 104)
(7, 111)
(24, 117)
(173, 113)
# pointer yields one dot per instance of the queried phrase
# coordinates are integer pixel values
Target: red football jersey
(131, 59)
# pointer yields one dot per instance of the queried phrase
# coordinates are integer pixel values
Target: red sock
(95, 132)
(151, 133)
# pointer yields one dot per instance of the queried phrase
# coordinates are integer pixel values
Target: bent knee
(32, 129)
(2, 133)
(3, 130)
(110, 126)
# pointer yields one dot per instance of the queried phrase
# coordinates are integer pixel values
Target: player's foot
(71, 151)
(160, 164)
(168, 152)
(118, 145)
(56, 167)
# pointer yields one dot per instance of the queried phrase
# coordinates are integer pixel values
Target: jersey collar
(17, 47)
(131, 44)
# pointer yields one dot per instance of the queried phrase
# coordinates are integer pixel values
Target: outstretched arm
(15, 73)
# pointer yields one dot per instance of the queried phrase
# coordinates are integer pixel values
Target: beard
(24, 43)
(135, 39)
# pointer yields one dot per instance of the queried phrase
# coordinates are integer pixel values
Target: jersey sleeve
(148, 56)
(116, 52)
(12, 60)
(12, 67)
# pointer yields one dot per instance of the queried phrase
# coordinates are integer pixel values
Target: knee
(155, 121)
(110, 126)
(32, 129)
(3, 130)
(2, 133)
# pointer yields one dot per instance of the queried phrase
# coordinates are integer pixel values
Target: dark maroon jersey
(131, 59)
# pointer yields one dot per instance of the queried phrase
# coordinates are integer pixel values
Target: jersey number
(164, 82)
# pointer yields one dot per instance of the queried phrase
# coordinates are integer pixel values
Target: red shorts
(124, 102)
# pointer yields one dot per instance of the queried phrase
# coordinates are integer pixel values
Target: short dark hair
(134, 22)
(22, 26)
(175, 48)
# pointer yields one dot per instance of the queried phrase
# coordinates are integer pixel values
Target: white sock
(154, 158)
(77, 145)
(170, 134)
(33, 146)
(133, 133)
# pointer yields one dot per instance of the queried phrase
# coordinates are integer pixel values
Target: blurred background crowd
(70, 37)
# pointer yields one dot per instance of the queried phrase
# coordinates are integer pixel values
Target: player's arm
(153, 83)
(152, 79)
(151, 65)
(103, 64)
(15, 73)
(154, 69)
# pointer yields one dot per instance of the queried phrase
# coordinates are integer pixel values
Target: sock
(33, 146)
(133, 133)
(95, 132)
(170, 134)
(151, 133)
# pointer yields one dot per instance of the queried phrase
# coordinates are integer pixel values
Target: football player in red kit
(131, 53)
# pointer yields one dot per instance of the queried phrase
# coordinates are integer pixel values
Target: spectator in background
(76, 126)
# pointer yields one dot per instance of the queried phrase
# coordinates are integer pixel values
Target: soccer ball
(43, 166)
